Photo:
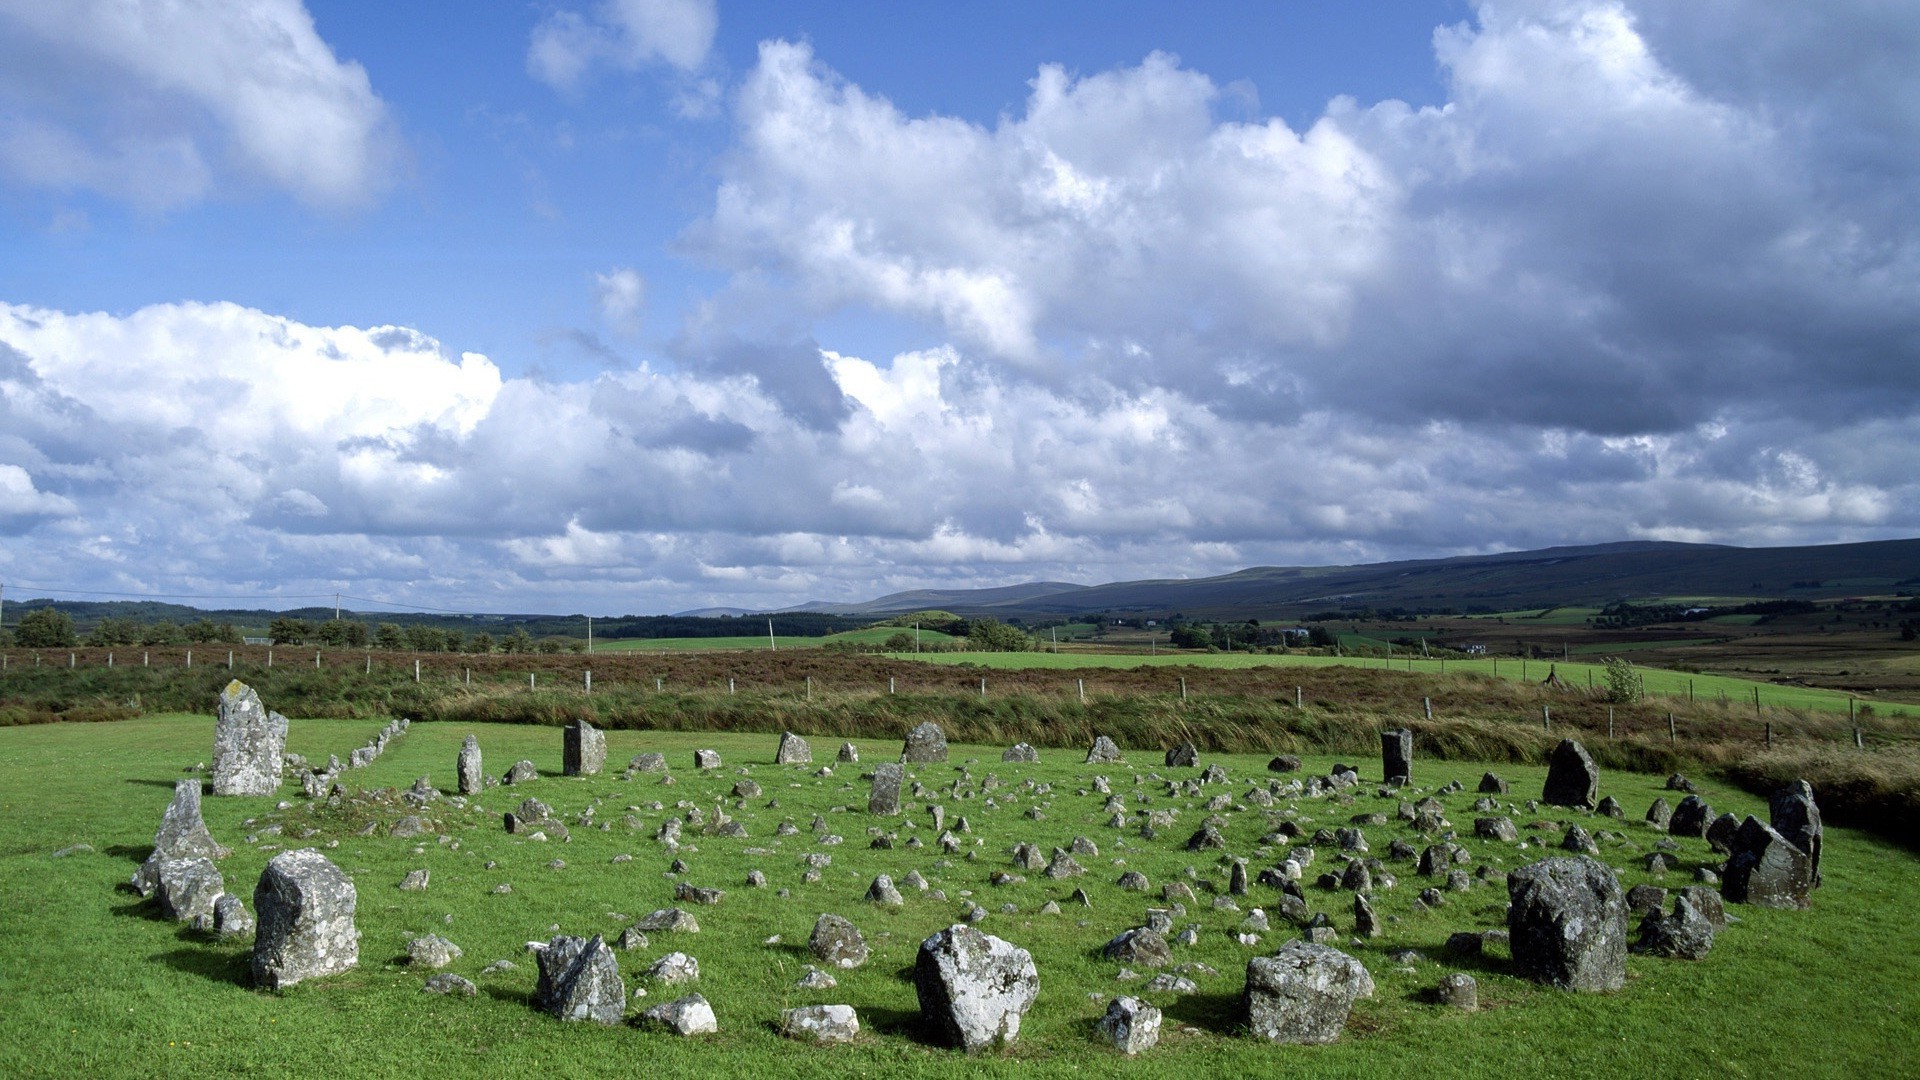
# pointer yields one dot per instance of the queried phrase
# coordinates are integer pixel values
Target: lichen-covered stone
(583, 749)
(1567, 924)
(884, 797)
(304, 906)
(249, 744)
(467, 767)
(925, 743)
(1765, 869)
(1572, 777)
(821, 1023)
(182, 835)
(974, 988)
(580, 980)
(1303, 993)
(837, 942)
(1103, 751)
(1132, 1025)
(793, 750)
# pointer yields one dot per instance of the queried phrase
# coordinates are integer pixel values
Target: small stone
(432, 951)
(1132, 1025)
(1458, 990)
(675, 967)
(837, 942)
(821, 1023)
(690, 1015)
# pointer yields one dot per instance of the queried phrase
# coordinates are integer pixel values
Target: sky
(640, 306)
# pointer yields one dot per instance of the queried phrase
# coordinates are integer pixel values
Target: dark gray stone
(1284, 763)
(1572, 777)
(1496, 828)
(1131, 1025)
(1396, 754)
(1660, 815)
(884, 798)
(648, 763)
(580, 980)
(467, 765)
(974, 988)
(182, 835)
(304, 906)
(837, 942)
(1691, 817)
(249, 744)
(1765, 869)
(926, 743)
(231, 919)
(1020, 752)
(1721, 832)
(584, 749)
(1492, 785)
(1686, 934)
(849, 754)
(1458, 990)
(1183, 756)
(1140, 946)
(520, 772)
(1796, 816)
(793, 750)
(1303, 993)
(1567, 922)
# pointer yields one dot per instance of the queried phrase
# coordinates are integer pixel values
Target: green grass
(1659, 681)
(97, 986)
(871, 635)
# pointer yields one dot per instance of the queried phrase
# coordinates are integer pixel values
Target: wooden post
(656, 684)
(189, 657)
(73, 661)
(729, 684)
(109, 659)
(889, 684)
(146, 659)
(468, 675)
(416, 669)
(1672, 732)
(269, 657)
(316, 659)
(229, 659)
(1183, 688)
(530, 683)
(1609, 721)
(369, 661)
(809, 688)
(1428, 702)
(589, 686)
(1083, 690)
(1858, 742)
(1546, 718)
(983, 686)
(1299, 701)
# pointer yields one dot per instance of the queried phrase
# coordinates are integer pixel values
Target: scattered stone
(1458, 990)
(648, 763)
(1686, 934)
(883, 892)
(1691, 817)
(1132, 1025)
(1142, 946)
(629, 939)
(973, 987)
(1578, 841)
(249, 744)
(182, 835)
(409, 827)
(1284, 763)
(1020, 752)
(821, 1023)
(1183, 756)
(1572, 777)
(675, 967)
(471, 780)
(925, 744)
(1103, 752)
(1168, 983)
(520, 772)
(1491, 784)
(746, 789)
(837, 942)
(1567, 923)
(1365, 923)
(1396, 755)
(415, 881)
(706, 759)
(1303, 993)
(1765, 869)
(689, 893)
(793, 750)
(1659, 815)
(580, 980)
(1496, 828)
(885, 795)
(668, 920)
(231, 919)
(432, 951)
(1610, 807)
(815, 979)
(1677, 782)
(305, 907)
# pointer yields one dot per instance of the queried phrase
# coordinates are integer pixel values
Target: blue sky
(644, 305)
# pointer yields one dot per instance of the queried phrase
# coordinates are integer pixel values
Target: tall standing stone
(249, 744)
(1766, 869)
(1303, 993)
(1183, 756)
(1572, 777)
(585, 750)
(885, 796)
(1102, 752)
(580, 980)
(304, 906)
(182, 835)
(1797, 817)
(1396, 755)
(468, 766)
(973, 987)
(793, 750)
(1567, 924)
(925, 743)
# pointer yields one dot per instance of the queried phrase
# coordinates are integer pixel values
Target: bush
(45, 628)
(1624, 685)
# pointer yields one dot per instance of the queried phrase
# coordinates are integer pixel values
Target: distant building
(256, 641)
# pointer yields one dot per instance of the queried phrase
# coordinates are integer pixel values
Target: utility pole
(336, 607)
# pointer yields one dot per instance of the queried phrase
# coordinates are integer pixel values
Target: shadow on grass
(138, 908)
(214, 965)
(902, 1023)
(137, 852)
(523, 998)
(1216, 1013)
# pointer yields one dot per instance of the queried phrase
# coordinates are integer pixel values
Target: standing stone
(1659, 815)
(1691, 818)
(580, 980)
(849, 754)
(1572, 777)
(1020, 752)
(585, 750)
(472, 781)
(1396, 755)
(1765, 869)
(231, 917)
(1303, 993)
(925, 743)
(188, 890)
(1492, 785)
(885, 796)
(838, 942)
(1687, 934)
(1460, 991)
(793, 750)
(1132, 1025)
(520, 772)
(249, 744)
(706, 759)
(304, 906)
(1721, 833)
(1567, 924)
(973, 987)
(1103, 752)
(182, 835)
(1184, 756)
(1365, 923)
(1797, 817)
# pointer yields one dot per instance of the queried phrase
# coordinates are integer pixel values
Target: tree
(161, 633)
(481, 642)
(44, 628)
(992, 635)
(425, 638)
(341, 633)
(387, 636)
(289, 631)
(1624, 684)
(518, 642)
(113, 631)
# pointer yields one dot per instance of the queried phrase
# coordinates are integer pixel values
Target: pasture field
(872, 635)
(98, 985)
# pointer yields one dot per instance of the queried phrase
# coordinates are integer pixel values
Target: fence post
(316, 659)
(469, 675)
(1672, 734)
(809, 688)
(146, 659)
(73, 661)
(369, 661)
(656, 684)
(589, 674)
(269, 656)
(1299, 700)
(530, 685)
(889, 684)
(1609, 721)
(189, 657)
(1183, 688)
(109, 659)
(1546, 718)
(229, 659)
(729, 684)
(1083, 690)
(1428, 703)
(416, 669)
(983, 686)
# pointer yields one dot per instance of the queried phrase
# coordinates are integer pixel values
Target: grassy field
(1658, 681)
(97, 985)
(872, 635)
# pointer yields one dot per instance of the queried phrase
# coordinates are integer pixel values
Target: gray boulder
(884, 798)
(1691, 818)
(231, 919)
(1496, 828)
(1721, 832)
(883, 892)
(1020, 752)
(1140, 946)
(821, 1023)
(249, 744)
(583, 750)
(1459, 990)
(1183, 756)
(690, 1015)
(973, 987)
(471, 780)
(667, 920)
(651, 762)
(706, 759)
(432, 951)
(1396, 755)
(1660, 815)
(1492, 785)
(1567, 924)
(304, 906)
(837, 942)
(1572, 777)
(1132, 1025)
(520, 772)
(1102, 752)
(1796, 817)
(675, 967)
(849, 754)
(793, 750)
(1765, 869)
(1686, 934)
(188, 889)
(580, 980)
(1303, 993)
(182, 835)
(925, 743)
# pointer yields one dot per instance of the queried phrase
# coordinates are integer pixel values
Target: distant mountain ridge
(1582, 575)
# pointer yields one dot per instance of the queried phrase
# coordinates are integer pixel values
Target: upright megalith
(973, 987)
(580, 980)
(793, 750)
(1303, 993)
(1765, 869)
(926, 743)
(1183, 756)
(1396, 755)
(838, 942)
(188, 890)
(585, 750)
(885, 796)
(304, 907)
(1572, 777)
(1567, 924)
(1103, 752)
(182, 835)
(249, 744)
(1797, 818)
(468, 766)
